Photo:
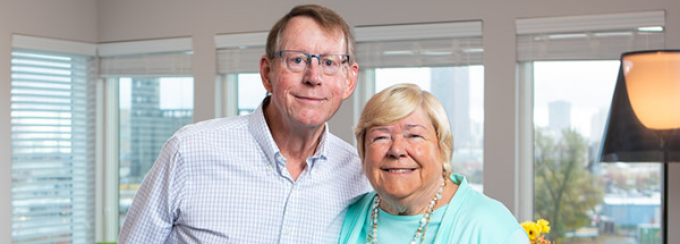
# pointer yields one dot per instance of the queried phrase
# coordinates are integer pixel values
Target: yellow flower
(543, 225)
(535, 231)
(531, 228)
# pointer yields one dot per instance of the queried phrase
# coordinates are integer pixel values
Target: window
(150, 110)
(572, 65)
(240, 90)
(444, 59)
(251, 92)
(53, 134)
(154, 96)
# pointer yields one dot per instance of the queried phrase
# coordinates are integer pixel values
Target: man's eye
(329, 62)
(298, 60)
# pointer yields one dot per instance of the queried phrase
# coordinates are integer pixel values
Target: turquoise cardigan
(471, 217)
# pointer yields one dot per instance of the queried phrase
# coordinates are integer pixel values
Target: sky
(587, 85)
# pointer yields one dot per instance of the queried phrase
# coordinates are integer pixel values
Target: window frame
(229, 68)
(109, 168)
(525, 79)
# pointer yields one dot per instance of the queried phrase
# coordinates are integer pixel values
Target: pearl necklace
(420, 232)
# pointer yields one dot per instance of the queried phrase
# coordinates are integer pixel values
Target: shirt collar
(260, 131)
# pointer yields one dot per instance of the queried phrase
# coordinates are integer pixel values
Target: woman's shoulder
(475, 206)
(482, 205)
(356, 217)
(485, 210)
(361, 204)
(483, 215)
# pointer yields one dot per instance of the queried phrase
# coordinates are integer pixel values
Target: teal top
(470, 217)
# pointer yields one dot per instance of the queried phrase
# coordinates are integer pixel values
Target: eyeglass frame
(318, 57)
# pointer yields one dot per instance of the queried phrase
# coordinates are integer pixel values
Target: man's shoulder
(212, 126)
(335, 143)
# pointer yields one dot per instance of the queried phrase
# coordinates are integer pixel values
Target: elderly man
(275, 176)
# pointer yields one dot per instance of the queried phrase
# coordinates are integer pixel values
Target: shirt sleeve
(155, 207)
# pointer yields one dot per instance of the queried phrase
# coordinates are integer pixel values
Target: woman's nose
(398, 148)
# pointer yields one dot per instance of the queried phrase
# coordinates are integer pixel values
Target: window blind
(420, 45)
(240, 53)
(53, 153)
(593, 37)
(167, 57)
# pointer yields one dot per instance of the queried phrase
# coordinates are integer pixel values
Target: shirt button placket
(290, 214)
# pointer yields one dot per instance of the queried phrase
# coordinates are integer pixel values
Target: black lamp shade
(626, 139)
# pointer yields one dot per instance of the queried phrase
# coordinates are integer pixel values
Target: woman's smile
(399, 170)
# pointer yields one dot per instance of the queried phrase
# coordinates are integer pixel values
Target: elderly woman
(405, 144)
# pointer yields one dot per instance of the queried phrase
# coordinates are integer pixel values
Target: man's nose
(314, 73)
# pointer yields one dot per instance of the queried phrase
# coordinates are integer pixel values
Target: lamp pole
(664, 216)
(665, 136)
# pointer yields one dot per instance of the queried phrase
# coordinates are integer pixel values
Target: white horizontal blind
(420, 45)
(240, 53)
(168, 57)
(594, 37)
(53, 154)
(246, 60)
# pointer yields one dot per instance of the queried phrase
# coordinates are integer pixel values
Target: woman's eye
(378, 138)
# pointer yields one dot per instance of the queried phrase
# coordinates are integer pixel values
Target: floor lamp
(644, 119)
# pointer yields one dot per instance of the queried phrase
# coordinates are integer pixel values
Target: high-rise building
(149, 125)
(451, 86)
(597, 123)
(559, 116)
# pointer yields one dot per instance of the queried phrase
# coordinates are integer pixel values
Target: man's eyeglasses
(297, 61)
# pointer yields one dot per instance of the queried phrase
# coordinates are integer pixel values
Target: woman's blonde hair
(397, 102)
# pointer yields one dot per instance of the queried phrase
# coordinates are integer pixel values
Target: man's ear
(265, 71)
(352, 77)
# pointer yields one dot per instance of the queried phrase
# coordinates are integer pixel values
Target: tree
(565, 192)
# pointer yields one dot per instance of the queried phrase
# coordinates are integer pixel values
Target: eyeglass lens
(297, 61)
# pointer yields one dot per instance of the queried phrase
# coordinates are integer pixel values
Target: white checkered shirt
(225, 181)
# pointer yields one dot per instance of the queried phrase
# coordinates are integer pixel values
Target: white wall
(65, 19)
(120, 20)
